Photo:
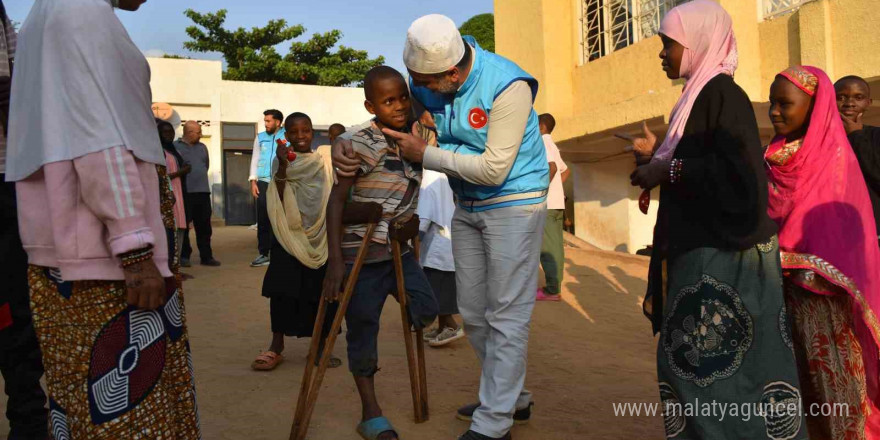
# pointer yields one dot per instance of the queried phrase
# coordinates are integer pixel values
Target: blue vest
(463, 125)
(267, 153)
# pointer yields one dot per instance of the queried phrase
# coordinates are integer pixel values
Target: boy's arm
(335, 265)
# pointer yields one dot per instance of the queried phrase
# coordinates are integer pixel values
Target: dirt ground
(588, 351)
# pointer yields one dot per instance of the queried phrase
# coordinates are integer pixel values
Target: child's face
(790, 109)
(542, 127)
(390, 103)
(853, 98)
(671, 55)
(299, 133)
(167, 134)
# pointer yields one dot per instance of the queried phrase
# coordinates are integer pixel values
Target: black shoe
(184, 262)
(471, 435)
(212, 262)
(520, 416)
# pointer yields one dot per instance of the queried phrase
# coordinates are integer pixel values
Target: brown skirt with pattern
(829, 360)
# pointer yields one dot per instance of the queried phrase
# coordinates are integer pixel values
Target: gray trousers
(496, 272)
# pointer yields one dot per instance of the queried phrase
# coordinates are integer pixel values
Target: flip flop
(371, 429)
(267, 361)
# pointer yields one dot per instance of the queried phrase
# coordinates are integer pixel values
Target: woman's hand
(642, 147)
(650, 175)
(144, 286)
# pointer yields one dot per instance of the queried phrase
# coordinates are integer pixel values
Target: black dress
(866, 144)
(294, 291)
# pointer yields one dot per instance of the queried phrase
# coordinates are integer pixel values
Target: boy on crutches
(387, 179)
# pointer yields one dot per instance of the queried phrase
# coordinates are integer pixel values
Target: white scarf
(80, 86)
(299, 220)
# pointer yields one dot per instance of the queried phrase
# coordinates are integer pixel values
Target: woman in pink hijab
(715, 284)
(830, 257)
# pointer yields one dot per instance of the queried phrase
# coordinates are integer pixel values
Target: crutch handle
(406, 231)
(358, 213)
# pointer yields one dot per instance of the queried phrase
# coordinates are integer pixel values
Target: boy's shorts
(375, 283)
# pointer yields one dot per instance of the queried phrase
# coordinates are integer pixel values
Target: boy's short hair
(336, 128)
(377, 74)
(276, 114)
(856, 78)
(296, 115)
(548, 121)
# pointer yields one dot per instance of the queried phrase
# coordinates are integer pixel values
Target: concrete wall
(197, 91)
(628, 86)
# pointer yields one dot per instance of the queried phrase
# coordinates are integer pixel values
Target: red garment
(819, 199)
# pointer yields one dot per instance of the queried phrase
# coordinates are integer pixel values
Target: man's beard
(446, 87)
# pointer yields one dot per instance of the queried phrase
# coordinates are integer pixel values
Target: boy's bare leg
(369, 403)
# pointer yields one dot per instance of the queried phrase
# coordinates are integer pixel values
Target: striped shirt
(383, 178)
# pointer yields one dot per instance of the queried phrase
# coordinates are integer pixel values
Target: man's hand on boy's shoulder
(344, 160)
(333, 280)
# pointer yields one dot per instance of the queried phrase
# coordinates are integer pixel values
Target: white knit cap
(433, 45)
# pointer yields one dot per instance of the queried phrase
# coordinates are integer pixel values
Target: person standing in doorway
(197, 200)
(20, 359)
(260, 176)
(552, 248)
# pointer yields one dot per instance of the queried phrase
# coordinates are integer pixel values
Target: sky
(378, 26)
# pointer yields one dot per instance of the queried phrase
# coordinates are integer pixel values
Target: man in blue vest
(260, 176)
(490, 147)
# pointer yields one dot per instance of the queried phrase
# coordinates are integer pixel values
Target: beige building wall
(197, 91)
(592, 100)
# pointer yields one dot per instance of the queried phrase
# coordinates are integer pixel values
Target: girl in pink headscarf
(715, 284)
(829, 250)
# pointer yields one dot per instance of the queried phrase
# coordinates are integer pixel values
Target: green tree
(175, 57)
(481, 27)
(251, 56)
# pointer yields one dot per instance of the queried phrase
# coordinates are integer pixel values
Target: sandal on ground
(373, 428)
(267, 361)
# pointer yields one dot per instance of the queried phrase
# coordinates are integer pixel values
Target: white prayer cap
(433, 45)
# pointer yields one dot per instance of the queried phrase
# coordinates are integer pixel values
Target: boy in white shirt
(436, 206)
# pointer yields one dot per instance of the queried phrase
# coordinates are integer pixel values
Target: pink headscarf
(706, 31)
(819, 199)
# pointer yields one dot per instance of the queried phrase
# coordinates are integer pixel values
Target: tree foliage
(175, 56)
(481, 27)
(251, 56)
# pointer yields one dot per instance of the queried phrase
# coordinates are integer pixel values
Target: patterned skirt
(112, 371)
(829, 359)
(725, 357)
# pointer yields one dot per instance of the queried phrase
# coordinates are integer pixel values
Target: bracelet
(675, 171)
(136, 256)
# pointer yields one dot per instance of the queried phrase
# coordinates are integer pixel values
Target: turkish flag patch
(478, 118)
(5, 316)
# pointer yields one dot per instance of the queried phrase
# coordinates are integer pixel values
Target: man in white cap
(490, 147)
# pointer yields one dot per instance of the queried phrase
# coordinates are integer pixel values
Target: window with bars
(774, 8)
(610, 25)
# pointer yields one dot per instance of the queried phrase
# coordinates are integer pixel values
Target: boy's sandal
(373, 428)
(267, 361)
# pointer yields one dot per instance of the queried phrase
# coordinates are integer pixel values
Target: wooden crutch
(353, 214)
(402, 233)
